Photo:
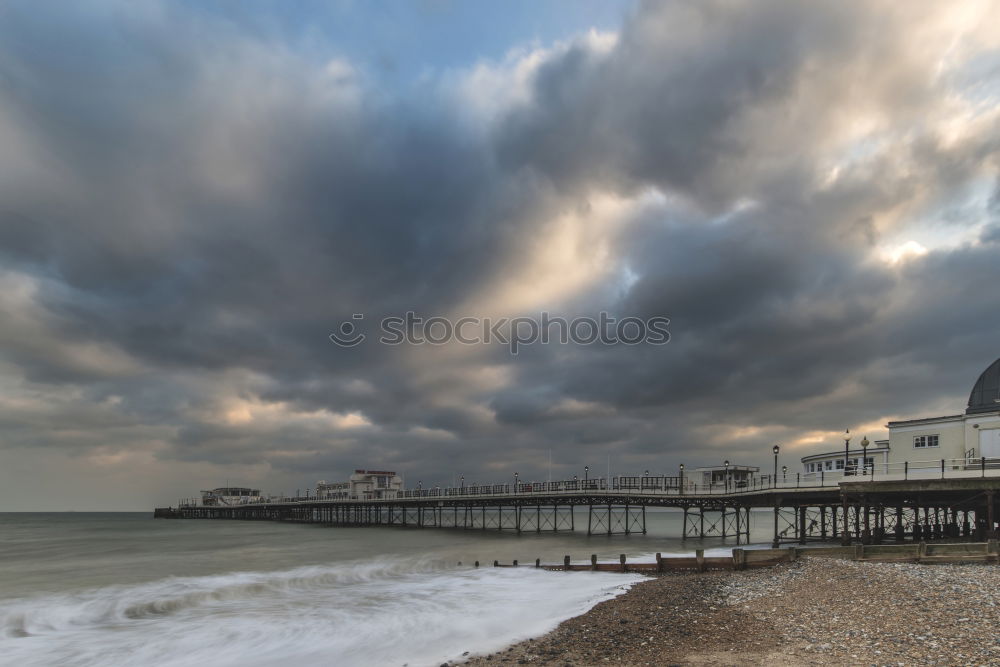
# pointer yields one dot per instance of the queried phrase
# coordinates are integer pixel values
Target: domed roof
(985, 396)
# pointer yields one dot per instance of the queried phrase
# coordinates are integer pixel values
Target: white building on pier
(726, 476)
(362, 485)
(230, 495)
(876, 454)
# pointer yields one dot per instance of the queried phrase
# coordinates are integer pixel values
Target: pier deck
(953, 502)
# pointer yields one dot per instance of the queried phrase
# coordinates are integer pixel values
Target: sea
(83, 589)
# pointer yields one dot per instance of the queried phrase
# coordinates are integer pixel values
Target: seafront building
(727, 476)
(363, 485)
(959, 440)
(876, 456)
(230, 495)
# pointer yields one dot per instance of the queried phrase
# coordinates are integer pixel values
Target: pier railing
(662, 486)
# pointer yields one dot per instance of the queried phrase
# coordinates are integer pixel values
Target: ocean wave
(373, 612)
(40, 615)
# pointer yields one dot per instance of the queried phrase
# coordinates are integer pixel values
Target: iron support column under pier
(774, 544)
(845, 535)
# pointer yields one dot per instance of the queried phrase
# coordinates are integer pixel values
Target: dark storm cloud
(673, 104)
(188, 211)
(200, 240)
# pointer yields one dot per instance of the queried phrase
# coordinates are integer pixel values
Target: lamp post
(515, 482)
(784, 473)
(463, 483)
(586, 474)
(682, 477)
(726, 464)
(776, 449)
(847, 448)
(864, 455)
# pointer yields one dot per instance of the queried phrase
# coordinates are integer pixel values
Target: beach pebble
(810, 612)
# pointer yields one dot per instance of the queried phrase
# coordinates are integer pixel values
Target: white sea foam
(387, 611)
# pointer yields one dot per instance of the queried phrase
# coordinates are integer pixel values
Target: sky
(194, 196)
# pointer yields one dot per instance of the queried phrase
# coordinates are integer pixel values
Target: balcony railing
(654, 486)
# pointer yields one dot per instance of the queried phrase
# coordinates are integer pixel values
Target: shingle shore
(811, 612)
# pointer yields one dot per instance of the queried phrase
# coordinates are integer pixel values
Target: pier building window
(923, 441)
(828, 465)
(839, 463)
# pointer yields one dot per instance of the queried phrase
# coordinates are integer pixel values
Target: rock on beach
(814, 611)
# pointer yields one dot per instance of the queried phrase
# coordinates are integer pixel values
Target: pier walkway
(944, 499)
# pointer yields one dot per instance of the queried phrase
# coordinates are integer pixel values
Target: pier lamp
(515, 482)
(864, 455)
(776, 449)
(586, 473)
(682, 477)
(726, 464)
(784, 473)
(847, 448)
(463, 482)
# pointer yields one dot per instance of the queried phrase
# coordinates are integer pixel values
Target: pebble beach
(814, 611)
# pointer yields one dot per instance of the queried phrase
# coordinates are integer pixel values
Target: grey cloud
(203, 208)
(672, 104)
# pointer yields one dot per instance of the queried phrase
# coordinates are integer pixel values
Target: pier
(939, 500)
